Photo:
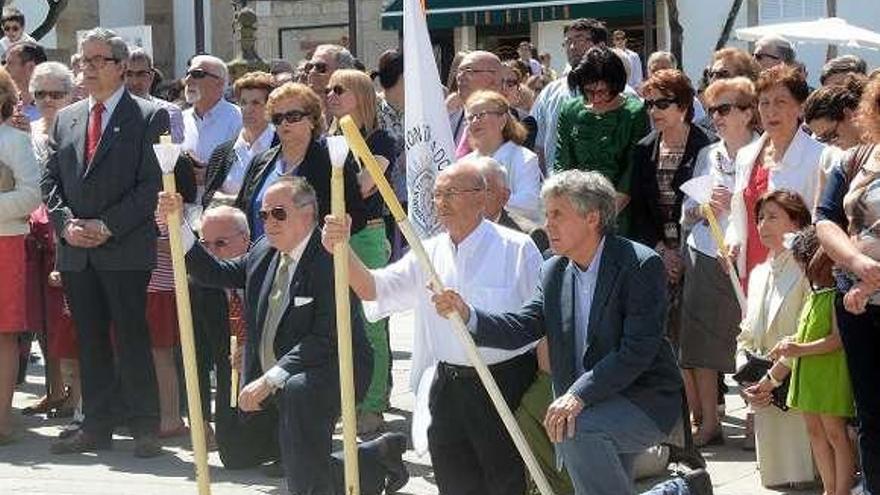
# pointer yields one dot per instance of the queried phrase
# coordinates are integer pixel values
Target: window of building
(775, 11)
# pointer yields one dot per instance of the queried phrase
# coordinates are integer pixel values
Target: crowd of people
(596, 289)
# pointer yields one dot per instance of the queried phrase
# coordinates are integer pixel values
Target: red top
(755, 251)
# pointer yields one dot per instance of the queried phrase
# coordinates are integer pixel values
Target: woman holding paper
(710, 312)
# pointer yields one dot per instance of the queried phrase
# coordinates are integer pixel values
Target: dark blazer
(306, 336)
(219, 164)
(315, 168)
(120, 187)
(646, 221)
(627, 352)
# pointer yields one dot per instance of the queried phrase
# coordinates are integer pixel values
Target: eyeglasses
(478, 116)
(319, 67)
(291, 117)
(470, 71)
(761, 56)
(575, 41)
(97, 61)
(11, 28)
(278, 213)
(453, 192)
(336, 90)
(659, 103)
(723, 109)
(200, 74)
(719, 74)
(55, 95)
(140, 73)
(510, 83)
(220, 243)
(594, 93)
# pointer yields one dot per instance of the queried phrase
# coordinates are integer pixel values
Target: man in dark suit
(290, 362)
(100, 184)
(601, 303)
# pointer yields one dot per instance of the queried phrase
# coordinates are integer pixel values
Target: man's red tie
(93, 137)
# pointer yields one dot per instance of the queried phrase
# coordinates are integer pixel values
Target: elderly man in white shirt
(470, 450)
(211, 120)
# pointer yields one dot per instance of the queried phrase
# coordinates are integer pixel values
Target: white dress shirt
(546, 113)
(201, 134)
(523, 177)
(244, 153)
(493, 268)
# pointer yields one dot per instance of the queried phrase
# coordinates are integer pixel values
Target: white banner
(429, 143)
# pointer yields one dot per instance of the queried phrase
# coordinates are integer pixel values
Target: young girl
(820, 386)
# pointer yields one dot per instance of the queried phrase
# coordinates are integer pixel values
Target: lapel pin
(115, 129)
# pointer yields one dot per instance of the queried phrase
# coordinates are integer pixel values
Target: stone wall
(298, 25)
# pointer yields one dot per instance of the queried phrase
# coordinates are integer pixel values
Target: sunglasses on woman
(55, 95)
(659, 104)
(335, 90)
(278, 213)
(291, 117)
(723, 109)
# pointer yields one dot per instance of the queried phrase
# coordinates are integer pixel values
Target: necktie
(93, 137)
(463, 147)
(276, 304)
(236, 320)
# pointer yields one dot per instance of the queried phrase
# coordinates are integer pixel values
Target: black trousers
(471, 451)
(211, 331)
(860, 335)
(121, 368)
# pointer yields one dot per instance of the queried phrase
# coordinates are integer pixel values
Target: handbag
(754, 369)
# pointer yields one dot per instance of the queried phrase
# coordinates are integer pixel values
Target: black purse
(754, 369)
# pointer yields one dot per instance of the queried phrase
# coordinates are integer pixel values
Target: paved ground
(26, 467)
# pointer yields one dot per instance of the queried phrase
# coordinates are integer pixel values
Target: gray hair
(118, 47)
(782, 45)
(344, 58)
(667, 57)
(139, 55)
(221, 66)
(489, 167)
(587, 191)
(226, 211)
(55, 71)
(302, 193)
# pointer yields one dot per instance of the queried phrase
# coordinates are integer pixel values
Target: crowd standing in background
(592, 283)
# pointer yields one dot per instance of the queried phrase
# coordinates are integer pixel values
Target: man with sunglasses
(12, 22)
(211, 120)
(471, 451)
(772, 50)
(326, 60)
(139, 77)
(100, 184)
(290, 369)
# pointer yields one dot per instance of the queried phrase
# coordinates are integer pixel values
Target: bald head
(479, 70)
(460, 199)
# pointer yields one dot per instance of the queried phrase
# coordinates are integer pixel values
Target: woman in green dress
(599, 130)
(820, 386)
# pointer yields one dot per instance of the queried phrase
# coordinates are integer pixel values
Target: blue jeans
(608, 437)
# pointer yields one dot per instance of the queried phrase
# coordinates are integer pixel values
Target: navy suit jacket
(627, 352)
(120, 187)
(306, 336)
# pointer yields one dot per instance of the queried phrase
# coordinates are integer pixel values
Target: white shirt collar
(111, 102)
(211, 111)
(297, 252)
(593, 269)
(472, 239)
(261, 143)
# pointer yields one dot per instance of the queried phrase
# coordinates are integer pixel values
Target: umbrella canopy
(831, 30)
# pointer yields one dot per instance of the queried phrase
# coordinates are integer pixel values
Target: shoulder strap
(857, 160)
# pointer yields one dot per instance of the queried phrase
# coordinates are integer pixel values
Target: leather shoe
(698, 482)
(392, 446)
(273, 469)
(81, 442)
(146, 446)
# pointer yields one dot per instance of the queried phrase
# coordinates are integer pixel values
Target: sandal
(45, 406)
(717, 437)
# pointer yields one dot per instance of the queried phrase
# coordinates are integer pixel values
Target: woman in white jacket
(19, 196)
(785, 157)
(495, 133)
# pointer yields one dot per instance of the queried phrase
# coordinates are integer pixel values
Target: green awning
(454, 13)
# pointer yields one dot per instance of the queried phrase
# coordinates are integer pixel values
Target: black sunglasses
(200, 74)
(723, 109)
(336, 90)
(291, 117)
(660, 103)
(55, 95)
(220, 243)
(319, 67)
(278, 213)
(761, 56)
(718, 74)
